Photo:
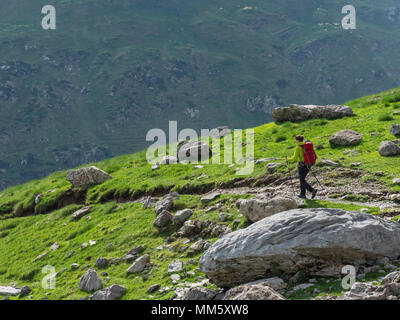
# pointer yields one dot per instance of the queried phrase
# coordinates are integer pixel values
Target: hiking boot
(302, 196)
(314, 193)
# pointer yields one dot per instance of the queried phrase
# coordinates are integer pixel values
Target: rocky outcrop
(86, 176)
(193, 151)
(252, 291)
(295, 113)
(255, 209)
(318, 241)
(345, 138)
(388, 148)
(90, 281)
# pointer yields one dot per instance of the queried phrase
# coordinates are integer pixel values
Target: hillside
(112, 70)
(39, 233)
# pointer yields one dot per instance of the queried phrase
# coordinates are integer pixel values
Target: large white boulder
(319, 241)
(85, 176)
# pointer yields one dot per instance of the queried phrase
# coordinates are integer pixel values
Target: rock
(101, 263)
(175, 266)
(193, 151)
(345, 138)
(210, 197)
(266, 160)
(169, 160)
(302, 286)
(274, 283)
(330, 163)
(113, 292)
(220, 230)
(74, 266)
(40, 256)
(85, 176)
(199, 293)
(252, 292)
(163, 219)
(164, 204)
(355, 164)
(153, 288)
(220, 132)
(395, 129)
(190, 228)
(139, 264)
(295, 113)
(273, 166)
(25, 290)
(319, 241)
(55, 246)
(90, 281)
(396, 181)
(182, 215)
(364, 291)
(255, 210)
(198, 245)
(80, 213)
(388, 148)
(9, 291)
(175, 277)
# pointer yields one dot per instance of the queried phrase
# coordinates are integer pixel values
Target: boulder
(139, 264)
(182, 215)
(90, 281)
(319, 241)
(252, 292)
(9, 291)
(101, 263)
(345, 138)
(85, 176)
(388, 148)
(295, 113)
(255, 209)
(164, 204)
(113, 292)
(395, 129)
(80, 213)
(163, 219)
(200, 293)
(193, 151)
(175, 266)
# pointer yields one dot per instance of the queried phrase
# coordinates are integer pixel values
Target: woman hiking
(306, 158)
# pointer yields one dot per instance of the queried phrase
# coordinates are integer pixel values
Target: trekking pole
(290, 174)
(316, 179)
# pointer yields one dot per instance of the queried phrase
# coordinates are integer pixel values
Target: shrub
(385, 117)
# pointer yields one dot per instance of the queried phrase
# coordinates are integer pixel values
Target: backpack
(309, 154)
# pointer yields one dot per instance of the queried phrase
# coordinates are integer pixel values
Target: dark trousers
(303, 171)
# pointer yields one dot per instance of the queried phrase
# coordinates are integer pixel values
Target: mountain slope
(117, 215)
(92, 88)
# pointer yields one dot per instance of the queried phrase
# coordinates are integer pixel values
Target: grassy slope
(127, 224)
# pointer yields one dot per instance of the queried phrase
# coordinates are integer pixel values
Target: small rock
(175, 266)
(139, 264)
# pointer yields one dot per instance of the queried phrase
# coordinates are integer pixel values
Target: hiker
(305, 156)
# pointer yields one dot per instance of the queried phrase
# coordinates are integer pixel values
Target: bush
(280, 139)
(385, 117)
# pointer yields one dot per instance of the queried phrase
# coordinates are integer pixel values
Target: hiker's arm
(295, 157)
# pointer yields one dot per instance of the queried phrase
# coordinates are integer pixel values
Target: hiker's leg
(306, 185)
(302, 176)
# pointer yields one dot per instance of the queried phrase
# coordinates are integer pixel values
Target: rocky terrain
(126, 229)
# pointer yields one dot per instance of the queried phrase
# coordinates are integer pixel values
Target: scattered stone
(139, 264)
(101, 263)
(182, 215)
(395, 129)
(345, 138)
(40, 256)
(25, 290)
(255, 209)
(252, 291)
(175, 266)
(164, 204)
(153, 288)
(266, 160)
(355, 164)
(86, 176)
(163, 219)
(198, 167)
(193, 151)
(198, 245)
(175, 277)
(90, 281)
(80, 213)
(74, 266)
(389, 148)
(396, 181)
(169, 160)
(113, 292)
(55, 246)
(302, 286)
(330, 163)
(291, 239)
(210, 197)
(156, 166)
(199, 293)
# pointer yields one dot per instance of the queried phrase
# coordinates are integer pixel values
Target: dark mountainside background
(115, 69)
